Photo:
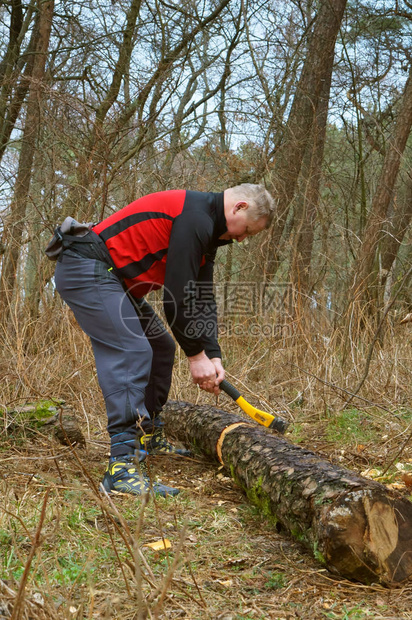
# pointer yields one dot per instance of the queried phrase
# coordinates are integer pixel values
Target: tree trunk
(16, 220)
(383, 196)
(396, 231)
(7, 64)
(11, 103)
(33, 275)
(299, 125)
(356, 527)
(307, 207)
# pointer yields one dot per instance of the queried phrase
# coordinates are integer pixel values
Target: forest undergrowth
(69, 552)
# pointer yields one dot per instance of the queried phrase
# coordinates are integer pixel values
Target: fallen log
(355, 527)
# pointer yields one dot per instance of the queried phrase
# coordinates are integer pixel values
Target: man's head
(249, 209)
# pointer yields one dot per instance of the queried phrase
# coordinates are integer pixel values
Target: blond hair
(261, 202)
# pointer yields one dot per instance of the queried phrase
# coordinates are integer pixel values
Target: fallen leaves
(400, 480)
(407, 479)
(159, 545)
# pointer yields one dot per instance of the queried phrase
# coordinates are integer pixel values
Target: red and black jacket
(170, 238)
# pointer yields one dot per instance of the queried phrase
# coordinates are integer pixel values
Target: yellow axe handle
(262, 417)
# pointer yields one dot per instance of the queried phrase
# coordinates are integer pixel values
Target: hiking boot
(124, 475)
(156, 443)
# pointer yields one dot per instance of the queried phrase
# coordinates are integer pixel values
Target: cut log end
(367, 536)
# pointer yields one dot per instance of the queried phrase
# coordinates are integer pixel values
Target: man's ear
(242, 204)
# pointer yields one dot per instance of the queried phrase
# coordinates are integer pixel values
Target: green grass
(297, 433)
(351, 426)
(406, 414)
(354, 613)
(276, 581)
(230, 545)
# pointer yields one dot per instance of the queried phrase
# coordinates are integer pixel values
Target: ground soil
(226, 560)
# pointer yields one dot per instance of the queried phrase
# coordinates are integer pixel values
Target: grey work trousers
(133, 352)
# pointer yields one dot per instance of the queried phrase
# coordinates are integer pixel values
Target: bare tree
(14, 65)
(299, 125)
(307, 201)
(396, 230)
(374, 231)
(16, 219)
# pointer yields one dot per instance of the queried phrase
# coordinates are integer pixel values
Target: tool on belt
(262, 417)
(81, 239)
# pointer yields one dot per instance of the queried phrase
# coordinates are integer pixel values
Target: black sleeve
(206, 310)
(187, 285)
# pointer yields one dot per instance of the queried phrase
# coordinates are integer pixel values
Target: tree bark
(12, 102)
(356, 527)
(9, 60)
(383, 196)
(396, 231)
(8, 63)
(299, 125)
(16, 220)
(308, 202)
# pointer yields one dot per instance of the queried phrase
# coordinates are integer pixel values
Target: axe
(262, 417)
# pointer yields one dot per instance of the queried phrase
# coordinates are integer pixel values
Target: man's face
(239, 225)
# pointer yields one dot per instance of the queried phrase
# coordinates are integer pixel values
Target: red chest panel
(138, 238)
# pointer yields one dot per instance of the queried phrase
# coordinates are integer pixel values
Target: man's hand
(207, 373)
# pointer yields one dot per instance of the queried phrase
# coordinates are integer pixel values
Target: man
(167, 238)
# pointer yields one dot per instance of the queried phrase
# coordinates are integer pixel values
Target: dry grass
(226, 560)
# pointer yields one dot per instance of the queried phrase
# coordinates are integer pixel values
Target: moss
(31, 417)
(255, 493)
(320, 500)
(318, 555)
(262, 500)
(257, 496)
(44, 409)
(297, 534)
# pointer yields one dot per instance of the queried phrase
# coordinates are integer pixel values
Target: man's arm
(189, 241)
(206, 323)
(205, 309)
